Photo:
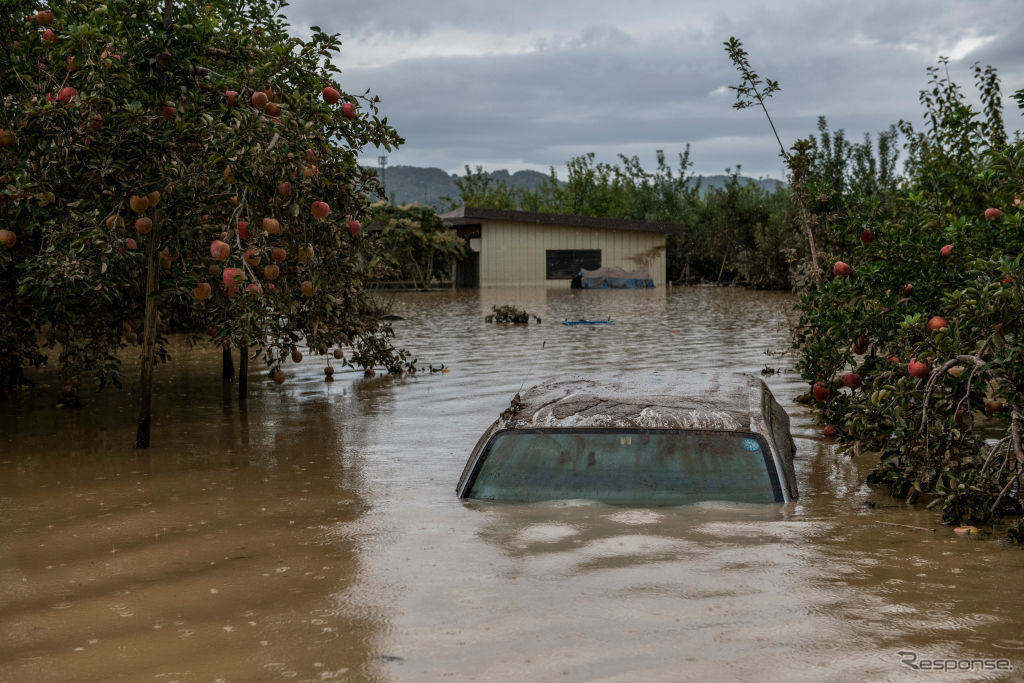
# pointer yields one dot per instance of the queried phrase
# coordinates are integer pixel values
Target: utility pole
(382, 165)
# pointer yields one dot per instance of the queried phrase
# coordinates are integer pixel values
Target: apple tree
(186, 162)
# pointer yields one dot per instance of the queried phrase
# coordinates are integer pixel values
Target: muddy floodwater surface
(313, 532)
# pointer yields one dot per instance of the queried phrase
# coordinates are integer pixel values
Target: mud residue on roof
(660, 400)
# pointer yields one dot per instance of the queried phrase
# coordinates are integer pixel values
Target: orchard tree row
(911, 332)
(180, 161)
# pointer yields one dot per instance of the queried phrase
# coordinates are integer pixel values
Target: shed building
(523, 249)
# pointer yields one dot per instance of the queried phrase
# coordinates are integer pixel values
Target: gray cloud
(530, 84)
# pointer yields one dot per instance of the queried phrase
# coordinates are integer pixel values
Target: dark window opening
(564, 264)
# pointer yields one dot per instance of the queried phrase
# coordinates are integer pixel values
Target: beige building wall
(515, 254)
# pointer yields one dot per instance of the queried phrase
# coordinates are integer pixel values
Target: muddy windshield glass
(663, 467)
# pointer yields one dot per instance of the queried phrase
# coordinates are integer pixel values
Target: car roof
(644, 400)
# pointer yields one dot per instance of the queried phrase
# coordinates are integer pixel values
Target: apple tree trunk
(148, 341)
(227, 366)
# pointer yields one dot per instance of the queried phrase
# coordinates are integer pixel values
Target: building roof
(470, 215)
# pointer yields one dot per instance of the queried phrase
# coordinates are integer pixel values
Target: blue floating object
(751, 445)
(587, 322)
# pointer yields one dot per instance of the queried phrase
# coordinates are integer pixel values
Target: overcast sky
(532, 83)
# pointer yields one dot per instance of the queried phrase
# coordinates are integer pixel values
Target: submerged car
(664, 438)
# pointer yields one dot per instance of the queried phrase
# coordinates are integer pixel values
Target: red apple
(272, 226)
(330, 95)
(842, 269)
(153, 198)
(296, 356)
(894, 359)
(143, 225)
(321, 209)
(43, 18)
(354, 227)
(255, 288)
(309, 171)
(348, 110)
(993, 214)
(242, 228)
(230, 96)
(830, 430)
(138, 204)
(131, 244)
(233, 277)
(944, 252)
(66, 94)
(220, 250)
(49, 36)
(279, 376)
(284, 189)
(6, 138)
(273, 109)
(936, 323)
(369, 372)
(867, 237)
(992, 407)
(861, 345)
(917, 369)
(259, 99)
(907, 289)
(310, 156)
(251, 258)
(169, 111)
(329, 370)
(8, 238)
(852, 380)
(820, 391)
(307, 288)
(202, 291)
(339, 353)
(278, 254)
(271, 272)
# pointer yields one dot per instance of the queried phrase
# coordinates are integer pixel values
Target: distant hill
(409, 184)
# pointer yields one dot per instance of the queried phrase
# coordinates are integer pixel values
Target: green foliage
(934, 435)
(509, 315)
(150, 114)
(419, 246)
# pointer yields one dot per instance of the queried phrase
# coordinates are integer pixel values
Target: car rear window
(649, 467)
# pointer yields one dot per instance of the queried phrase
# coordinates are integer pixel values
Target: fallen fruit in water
(965, 530)
(279, 376)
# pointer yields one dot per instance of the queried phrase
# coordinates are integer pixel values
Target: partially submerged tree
(191, 159)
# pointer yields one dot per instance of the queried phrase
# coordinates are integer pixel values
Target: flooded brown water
(315, 534)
